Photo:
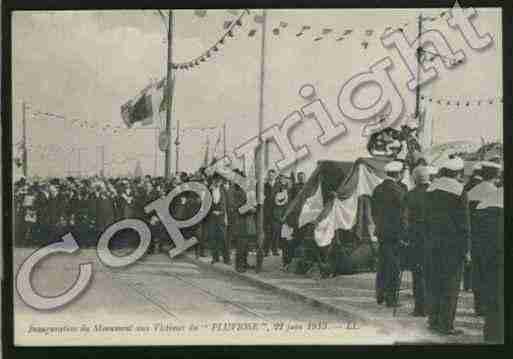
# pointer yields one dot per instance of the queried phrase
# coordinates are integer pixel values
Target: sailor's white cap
(454, 164)
(477, 166)
(394, 166)
(432, 170)
(489, 164)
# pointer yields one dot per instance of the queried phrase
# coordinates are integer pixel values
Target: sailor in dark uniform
(447, 245)
(488, 232)
(415, 209)
(481, 237)
(388, 200)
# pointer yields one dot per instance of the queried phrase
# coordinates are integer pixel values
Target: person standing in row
(475, 179)
(417, 233)
(488, 234)
(482, 239)
(270, 188)
(217, 220)
(447, 245)
(388, 200)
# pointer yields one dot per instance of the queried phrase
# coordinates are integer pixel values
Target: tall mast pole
(224, 139)
(177, 144)
(169, 95)
(419, 54)
(24, 154)
(260, 152)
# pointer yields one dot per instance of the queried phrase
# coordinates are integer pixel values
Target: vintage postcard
(257, 176)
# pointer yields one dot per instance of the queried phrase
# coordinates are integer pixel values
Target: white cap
(454, 164)
(490, 164)
(394, 166)
(477, 166)
(432, 170)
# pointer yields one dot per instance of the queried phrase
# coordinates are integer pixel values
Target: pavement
(354, 296)
(187, 289)
(171, 302)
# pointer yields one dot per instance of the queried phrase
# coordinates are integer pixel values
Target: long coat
(388, 200)
(416, 222)
(448, 218)
(235, 199)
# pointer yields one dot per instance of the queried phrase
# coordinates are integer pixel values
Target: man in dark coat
(447, 245)
(415, 209)
(217, 220)
(488, 234)
(475, 179)
(481, 237)
(270, 188)
(388, 200)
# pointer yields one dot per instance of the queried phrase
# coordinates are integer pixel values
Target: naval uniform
(388, 199)
(483, 238)
(415, 208)
(448, 233)
(488, 235)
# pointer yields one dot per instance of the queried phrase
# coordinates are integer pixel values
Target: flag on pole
(145, 107)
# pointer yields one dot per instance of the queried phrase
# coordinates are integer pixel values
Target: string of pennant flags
(229, 26)
(282, 27)
(462, 102)
(106, 127)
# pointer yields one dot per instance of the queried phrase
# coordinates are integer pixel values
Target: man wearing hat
(447, 244)
(417, 232)
(217, 221)
(387, 203)
(488, 236)
(482, 237)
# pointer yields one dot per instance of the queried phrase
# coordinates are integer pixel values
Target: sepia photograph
(186, 177)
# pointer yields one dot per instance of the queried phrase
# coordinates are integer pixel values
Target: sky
(87, 64)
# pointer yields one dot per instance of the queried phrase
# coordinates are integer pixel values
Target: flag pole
(169, 95)
(260, 164)
(224, 139)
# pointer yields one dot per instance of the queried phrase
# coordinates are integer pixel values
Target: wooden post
(169, 95)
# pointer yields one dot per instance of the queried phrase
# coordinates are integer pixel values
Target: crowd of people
(437, 229)
(46, 209)
(440, 230)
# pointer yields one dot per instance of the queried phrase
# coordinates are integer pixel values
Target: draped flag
(309, 202)
(352, 183)
(342, 214)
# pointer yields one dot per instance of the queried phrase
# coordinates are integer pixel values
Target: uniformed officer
(447, 245)
(415, 209)
(488, 231)
(481, 237)
(388, 200)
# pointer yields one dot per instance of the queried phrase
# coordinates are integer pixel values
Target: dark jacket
(416, 221)
(448, 218)
(218, 214)
(388, 200)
